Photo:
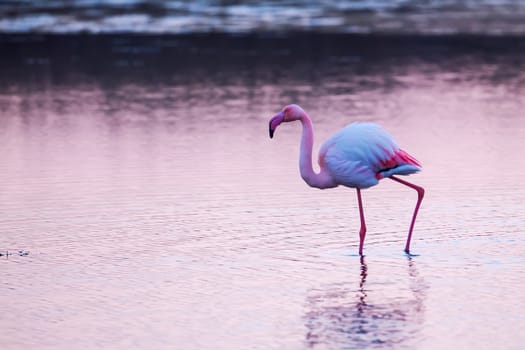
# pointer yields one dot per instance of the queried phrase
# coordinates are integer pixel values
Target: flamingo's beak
(275, 121)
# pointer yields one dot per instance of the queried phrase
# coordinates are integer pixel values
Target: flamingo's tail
(401, 163)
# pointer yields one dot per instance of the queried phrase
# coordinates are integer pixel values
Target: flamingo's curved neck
(313, 179)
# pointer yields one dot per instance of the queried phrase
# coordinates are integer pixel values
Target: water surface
(158, 213)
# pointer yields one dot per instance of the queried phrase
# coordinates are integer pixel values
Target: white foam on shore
(496, 17)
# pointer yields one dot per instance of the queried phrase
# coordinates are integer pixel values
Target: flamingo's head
(287, 114)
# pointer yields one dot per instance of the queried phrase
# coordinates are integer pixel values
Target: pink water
(160, 215)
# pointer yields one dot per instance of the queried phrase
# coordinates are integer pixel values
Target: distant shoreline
(132, 53)
(294, 39)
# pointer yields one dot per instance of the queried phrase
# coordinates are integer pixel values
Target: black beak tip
(271, 132)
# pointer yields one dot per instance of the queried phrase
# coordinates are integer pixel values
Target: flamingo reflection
(345, 317)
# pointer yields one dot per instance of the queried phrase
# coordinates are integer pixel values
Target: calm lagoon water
(158, 214)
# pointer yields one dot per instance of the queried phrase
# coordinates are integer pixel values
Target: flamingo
(357, 156)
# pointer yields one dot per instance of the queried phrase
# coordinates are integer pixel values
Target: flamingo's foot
(409, 255)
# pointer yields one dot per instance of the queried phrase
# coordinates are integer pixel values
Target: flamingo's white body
(357, 156)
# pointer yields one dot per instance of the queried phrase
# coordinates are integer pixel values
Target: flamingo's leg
(362, 231)
(420, 195)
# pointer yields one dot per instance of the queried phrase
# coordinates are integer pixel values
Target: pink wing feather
(399, 163)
